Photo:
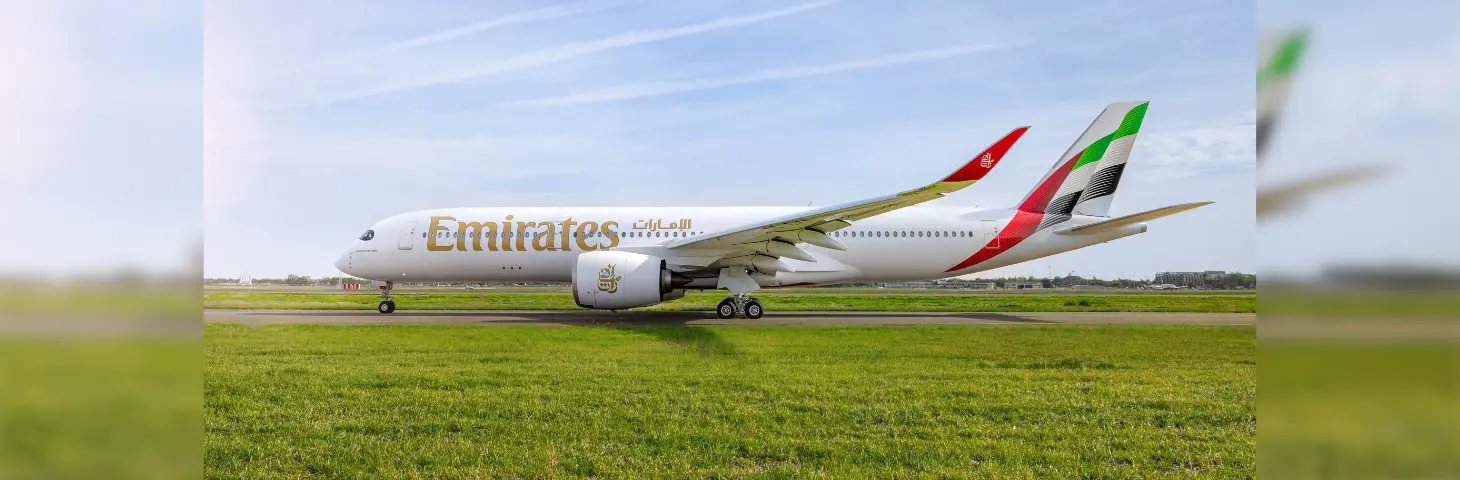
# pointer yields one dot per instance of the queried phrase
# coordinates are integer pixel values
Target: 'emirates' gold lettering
(530, 236)
(477, 230)
(586, 229)
(546, 239)
(431, 234)
(610, 229)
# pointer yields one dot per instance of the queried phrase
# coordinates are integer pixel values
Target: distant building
(980, 285)
(1183, 279)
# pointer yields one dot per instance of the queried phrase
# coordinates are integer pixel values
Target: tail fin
(1279, 56)
(1105, 177)
(1096, 159)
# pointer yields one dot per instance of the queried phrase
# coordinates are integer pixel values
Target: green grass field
(636, 402)
(775, 301)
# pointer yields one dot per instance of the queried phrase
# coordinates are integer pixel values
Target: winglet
(980, 165)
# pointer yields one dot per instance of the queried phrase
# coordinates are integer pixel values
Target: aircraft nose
(343, 263)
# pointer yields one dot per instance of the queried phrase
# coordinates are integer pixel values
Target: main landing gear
(740, 305)
(386, 304)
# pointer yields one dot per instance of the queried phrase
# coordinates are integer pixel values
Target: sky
(100, 136)
(1379, 85)
(324, 117)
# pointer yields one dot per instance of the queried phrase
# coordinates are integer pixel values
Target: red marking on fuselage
(1026, 219)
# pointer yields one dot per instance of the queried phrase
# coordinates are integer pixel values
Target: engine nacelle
(613, 280)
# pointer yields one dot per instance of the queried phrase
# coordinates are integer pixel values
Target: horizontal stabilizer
(1273, 199)
(1118, 222)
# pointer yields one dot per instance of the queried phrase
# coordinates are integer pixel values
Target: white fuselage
(532, 244)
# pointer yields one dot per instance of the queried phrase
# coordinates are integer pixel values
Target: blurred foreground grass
(100, 381)
(100, 408)
(1359, 383)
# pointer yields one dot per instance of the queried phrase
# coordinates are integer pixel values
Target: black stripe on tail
(1059, 210)
(1104, 182)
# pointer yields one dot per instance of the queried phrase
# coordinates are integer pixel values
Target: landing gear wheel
(753, 309)
(387, 306)
(726, 309)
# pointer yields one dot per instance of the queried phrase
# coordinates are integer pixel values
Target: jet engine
(611, 280)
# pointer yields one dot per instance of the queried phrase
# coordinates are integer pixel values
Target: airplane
(628, 257)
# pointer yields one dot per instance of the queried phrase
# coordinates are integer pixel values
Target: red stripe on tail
(1026, 219)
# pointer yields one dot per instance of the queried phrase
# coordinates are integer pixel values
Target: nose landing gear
(740, 305)
(386, 304)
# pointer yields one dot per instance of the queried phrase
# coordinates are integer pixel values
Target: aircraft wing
(776, 237)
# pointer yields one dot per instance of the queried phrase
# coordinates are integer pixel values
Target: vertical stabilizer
(1105, 143)
(1105, 176)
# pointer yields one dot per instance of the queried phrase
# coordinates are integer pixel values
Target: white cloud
(519, 18)
(561, 53)
(1187, 150)
(642, 90)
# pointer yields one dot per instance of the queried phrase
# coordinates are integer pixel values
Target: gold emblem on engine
(607, 282)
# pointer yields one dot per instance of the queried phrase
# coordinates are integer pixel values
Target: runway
(562, 318)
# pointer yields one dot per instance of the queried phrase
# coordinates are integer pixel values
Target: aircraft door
(408, 236)
(991, 234)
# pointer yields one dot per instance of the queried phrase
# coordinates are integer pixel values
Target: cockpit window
(369, 234)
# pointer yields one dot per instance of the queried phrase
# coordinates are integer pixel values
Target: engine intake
(607, 280)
